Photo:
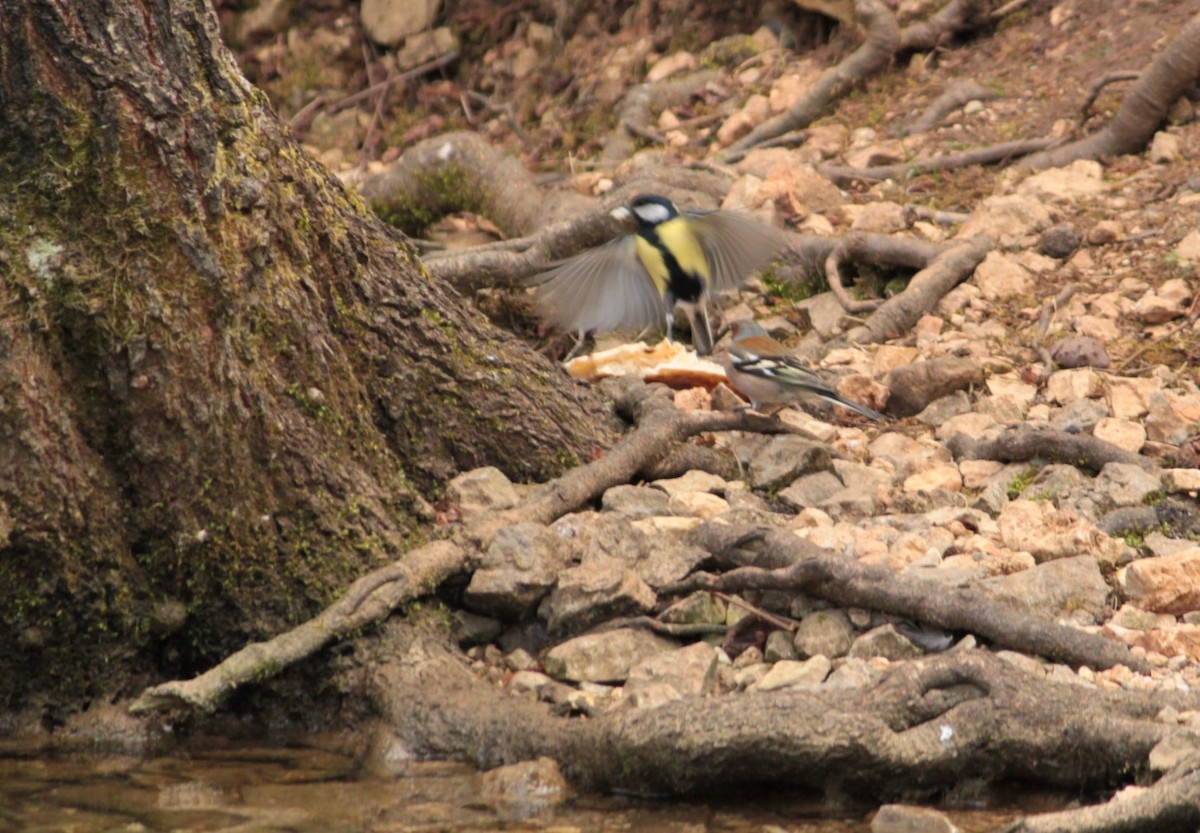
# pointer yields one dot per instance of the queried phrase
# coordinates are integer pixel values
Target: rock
(1122, 433)
(699, 608)
(916, 385)
(976, 473)
(945, 477)
(810, 490)
(692, 481)
(668, 65)
(752, 114)
(518, 569)
(900, 818)
(937, 412)
(1175, 640)
(1060, 241)
(535, 784)
(1189, 247)
(530, 682)
(1168, 301)
(1174, 749)
(1006, 219)
(891, 356)
(789, 673)
(1164, 584)
(972, 424)
(880, 218)
(482, 490)
(822, 313)
(798, 188)
(425, 46)
(1129, 397)
(1053, 589)
(1047, 533)
(853, 673)
(690, 671)
(1082, 178)
(779, 647)
(1079, 351)
(472, 629)
(603, 657)
(388, 22)
(825, 633)
(634, 501)
(1164, 421)
(1000, 276)
(1181, 480)
(907, 456)
(884, 641)
(597, 590)
(643, 698)
(1165, 148)
(1078, 416)
(786, 457)
(1124, 484)
(1065, 386)
(697, 505)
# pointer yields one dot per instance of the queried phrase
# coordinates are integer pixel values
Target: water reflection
(218, 786)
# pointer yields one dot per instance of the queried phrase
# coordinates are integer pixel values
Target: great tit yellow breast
(674, 259)
(679, 238)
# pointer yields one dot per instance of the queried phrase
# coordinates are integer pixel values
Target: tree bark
(223, 383)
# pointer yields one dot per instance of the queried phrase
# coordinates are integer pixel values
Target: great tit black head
(673, 259)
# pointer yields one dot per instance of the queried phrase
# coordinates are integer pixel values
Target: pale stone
(1082, 178)
(1164, 584)
(976, 473)
(1012, 386)
(1045, 532)
(789, 673)
(1006, 219)
(1164, 148)
(906, 455)
(1168, 301)
(669, 65)
(890, 356)
(1165, 419)
(388, 22)
(1128, 397)
(945, 477)
(1181, 480)
(537, 783)
(1122, 433)
(884, 641)
(692, 481)
(1000, 276)
(887, 152)
(752, 114)
(482, 490)
(1066, 386)
(1176, 640)
(691, 671)
(799, 188)
(973, 425)
(603, 657)
(824, 633)
(1189, 247)
(697, 504)
(880, 218)
(900, 818)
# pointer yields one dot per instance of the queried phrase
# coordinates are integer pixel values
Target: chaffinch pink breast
(763, 370)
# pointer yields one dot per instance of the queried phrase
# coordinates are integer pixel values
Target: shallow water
(222, 786)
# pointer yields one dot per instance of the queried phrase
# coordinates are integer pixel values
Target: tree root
(899, 314)
(1171, 805)
(880, 250)
(368, 600)
(852, 584)
(953, 97)
(883, 38)
(989, 155)
(928, 725)
(1142, 109)
(1026, 442)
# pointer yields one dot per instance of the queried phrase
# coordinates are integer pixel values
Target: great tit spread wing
(736, 246)
(602, 289)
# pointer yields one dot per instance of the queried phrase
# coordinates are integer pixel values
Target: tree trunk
(222, 382)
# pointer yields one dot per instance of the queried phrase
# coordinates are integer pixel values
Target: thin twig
(1102, 82)
(1054, 305)
(1193, 313)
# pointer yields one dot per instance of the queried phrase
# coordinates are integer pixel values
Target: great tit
(674, 259)
(763, 370)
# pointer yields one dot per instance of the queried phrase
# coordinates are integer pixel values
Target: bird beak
(621, 213)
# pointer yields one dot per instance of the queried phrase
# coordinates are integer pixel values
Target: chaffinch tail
(673, 259)
(764, 371)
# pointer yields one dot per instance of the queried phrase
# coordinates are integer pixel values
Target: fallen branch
(879, 250)
(850, 583)
(633, 117)
(1098, 87)
(898, 315)
(1026, 442)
